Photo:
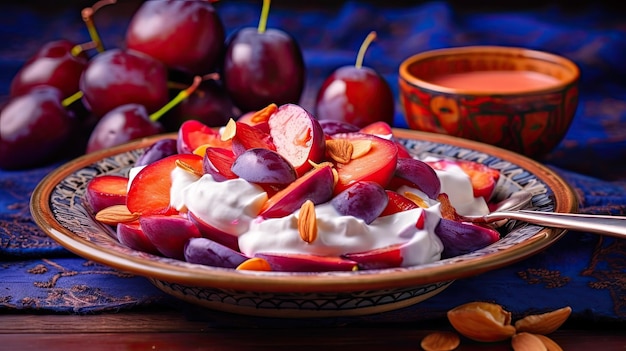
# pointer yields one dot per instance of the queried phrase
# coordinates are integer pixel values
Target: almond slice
(254, 264)
(360, 148)
(229, 130)
(187, 168)
(116, 214)
(416, 199)
(307, 222)
(263, 115)
(339, 150)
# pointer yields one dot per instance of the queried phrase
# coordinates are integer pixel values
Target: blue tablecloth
(584, 271)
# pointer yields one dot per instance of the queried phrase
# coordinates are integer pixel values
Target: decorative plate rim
(175, 271)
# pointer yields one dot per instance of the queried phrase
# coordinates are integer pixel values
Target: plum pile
(108, 97)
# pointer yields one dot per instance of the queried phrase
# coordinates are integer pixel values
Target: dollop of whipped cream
(233, 206)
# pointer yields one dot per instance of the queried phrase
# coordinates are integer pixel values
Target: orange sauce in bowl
(495, 81)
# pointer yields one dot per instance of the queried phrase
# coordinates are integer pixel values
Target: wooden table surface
(168, 329)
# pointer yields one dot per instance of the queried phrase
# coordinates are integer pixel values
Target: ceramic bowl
(515, 98)
(57, 207)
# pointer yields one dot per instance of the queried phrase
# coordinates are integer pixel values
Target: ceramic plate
(56, 206)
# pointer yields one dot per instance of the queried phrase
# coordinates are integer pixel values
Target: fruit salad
(279, 190)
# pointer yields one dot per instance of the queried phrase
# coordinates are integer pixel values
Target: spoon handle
(599, 224)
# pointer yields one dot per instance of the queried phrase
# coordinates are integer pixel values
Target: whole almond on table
(550, 344)
(482, 321)
(544, 323)
(527, 342)
(440, 341)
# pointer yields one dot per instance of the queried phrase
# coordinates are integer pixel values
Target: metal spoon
(599, 224)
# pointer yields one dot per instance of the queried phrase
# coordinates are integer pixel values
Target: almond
(339, 150)
(360, 148)
(550, 344)
(482, 321)
(187, 168)
(544, 323)
(229, 130)
(116, 214)
(527, 342)
(307, 222)
(416, 199)
(440, 341)
(254, 264)
(264, 114)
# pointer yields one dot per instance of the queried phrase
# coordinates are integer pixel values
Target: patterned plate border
(57, 208)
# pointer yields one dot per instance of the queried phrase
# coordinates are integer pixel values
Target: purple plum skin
(208, 252)
(364, 199)
(260, 165)
(419, 173)
(459, 238)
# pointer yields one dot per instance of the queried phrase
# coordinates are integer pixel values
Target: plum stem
(79, 48)
(264, 14)
(366, 43)
(182, 95)
(87, 15)
(72, 98)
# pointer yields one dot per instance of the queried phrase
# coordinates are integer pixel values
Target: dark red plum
(160, 149)
(208, 252)
(364, 199)
(263, 166)
(34, 129)
(420, 175)
(117, 77)
(120, 125)
(261, 68)
(169, 234)
(459, 238)
(55, 65)
(184, 35)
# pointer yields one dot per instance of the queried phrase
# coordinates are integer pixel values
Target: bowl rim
(286, 282)
(571, 79)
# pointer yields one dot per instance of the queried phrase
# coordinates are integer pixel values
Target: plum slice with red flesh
(105, 191)
(289, 262)
(249, 137)
(298, 136)
(208, 231)
(316, 185)
(397, 203)
(482, 177)
(377, 165)
(131, 235)
(193, 134)
(149, 191)
(218, 163)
